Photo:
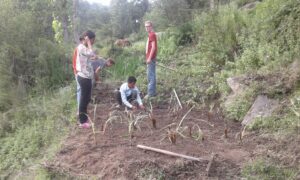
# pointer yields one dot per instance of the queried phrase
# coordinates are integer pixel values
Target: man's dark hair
(131, 79)
(89, 34)
(111, 61)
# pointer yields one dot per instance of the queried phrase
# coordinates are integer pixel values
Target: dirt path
(115, 155)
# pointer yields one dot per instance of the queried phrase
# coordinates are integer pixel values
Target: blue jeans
(151, 76)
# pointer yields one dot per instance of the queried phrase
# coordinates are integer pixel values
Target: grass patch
(153, 173)
(35, 128)
(238, 108)
(261, 169)
(286, 118)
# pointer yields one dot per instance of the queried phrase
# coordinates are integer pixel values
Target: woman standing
(85, 74)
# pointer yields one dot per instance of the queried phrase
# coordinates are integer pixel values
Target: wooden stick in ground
(177, 98)
(170, 153)
(184, 118)
(208, 168)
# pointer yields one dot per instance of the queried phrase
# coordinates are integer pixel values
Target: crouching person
(129, 95)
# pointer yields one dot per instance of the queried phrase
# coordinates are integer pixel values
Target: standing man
(151, 51)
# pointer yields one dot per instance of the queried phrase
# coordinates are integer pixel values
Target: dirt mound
(114, 155)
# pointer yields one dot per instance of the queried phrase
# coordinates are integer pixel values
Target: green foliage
(126, 16)
(261, 169)
(28, 55)
(237, 109)
(219, 32)
(174, 12)
(126, 64)
(185, 35)
(56, 25)
(166, 46)
(27, 130)
(244, 2)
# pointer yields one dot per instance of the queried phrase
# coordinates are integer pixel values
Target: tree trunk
(75, 22)
(212, 4)
(65, 29)
(65, 23)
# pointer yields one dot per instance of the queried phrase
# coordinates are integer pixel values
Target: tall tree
(62, 10)
(121, 18)
(75, 21)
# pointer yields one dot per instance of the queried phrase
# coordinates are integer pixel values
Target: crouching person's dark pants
(130, 98)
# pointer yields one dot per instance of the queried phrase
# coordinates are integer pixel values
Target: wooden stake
(184, 118)
(208, 168)
(170, 153)
(177, 98)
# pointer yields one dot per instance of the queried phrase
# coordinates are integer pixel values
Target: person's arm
(124, 98)
(87, 52)
(97, 72)
(139, 100)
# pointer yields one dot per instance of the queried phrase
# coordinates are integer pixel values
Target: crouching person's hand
(133, 107)
(142, 107)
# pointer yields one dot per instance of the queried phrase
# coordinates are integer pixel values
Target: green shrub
(126, 65)
(34, 127)
(166, 47)
(184, 35)
(238, 108)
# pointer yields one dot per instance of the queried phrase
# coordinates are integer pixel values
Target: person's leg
(85, 97)
(132, 96)
(119, 98)
(151, 75)
(77, 92)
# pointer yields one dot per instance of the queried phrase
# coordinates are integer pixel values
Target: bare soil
(114, 155)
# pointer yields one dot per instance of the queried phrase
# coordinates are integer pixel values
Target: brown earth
(114, 155)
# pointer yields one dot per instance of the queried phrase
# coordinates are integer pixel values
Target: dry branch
(177, 98)
(170, 153)
(184, 118)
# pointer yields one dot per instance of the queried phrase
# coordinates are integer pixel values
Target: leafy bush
(185, 35)
(126, 65)
(33, 127)
(241, 104)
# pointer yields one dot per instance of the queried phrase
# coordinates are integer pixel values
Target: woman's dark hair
(131, 79)
(81, 38)
(89, 34)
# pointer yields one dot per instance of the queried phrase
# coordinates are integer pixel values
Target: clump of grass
(151, 115)
(261, 169)
(179, 130)
(134, 119)
(47, 123)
